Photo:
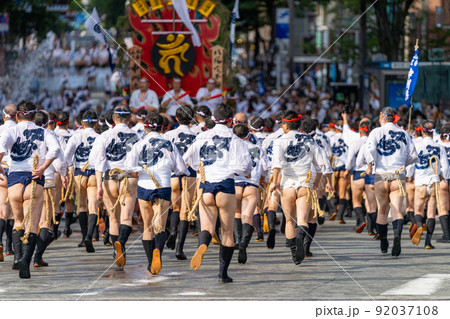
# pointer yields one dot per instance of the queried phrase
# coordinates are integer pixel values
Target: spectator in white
(175, 98)
(204, 95)
(144, 97)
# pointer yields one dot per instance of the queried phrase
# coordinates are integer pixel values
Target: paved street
(350, 266)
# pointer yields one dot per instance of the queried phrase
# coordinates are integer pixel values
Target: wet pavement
(346, 266)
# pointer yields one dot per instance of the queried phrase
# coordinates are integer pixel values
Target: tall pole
(362, 52)
(291, 39)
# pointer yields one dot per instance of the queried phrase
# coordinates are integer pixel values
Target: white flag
(182, 11)
(93, 25)
(234, 16)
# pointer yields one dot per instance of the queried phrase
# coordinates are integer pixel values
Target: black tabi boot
(179, 254)
(349, 208)
(114, 238)
(444, 220)
(92, 224)
(2, 230)
(332, 205)
(96, 234)
(119, 245)
(18, 247)
(290, 243)
(9, 228)
(247, 231)
(372, 219)
(156, 265)
(322, 204)
(83, 221)
(384, 243)
(237, 231)
(431, 224)
(409, 217)
(204, 239)
(416, 233)
(309, 238)
(283, 224)
(342, 207)
(225, 256)
(360, 223)
(302, 232)
(397, 226)
(257, 225)
(28, 250)
(194, 228)
(174, 221)
(106, 239)
(44, 239)
(149, 246)
(271, 216)
(67, 229)
(55, 227)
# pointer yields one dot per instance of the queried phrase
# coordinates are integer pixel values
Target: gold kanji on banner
(156, 4)
(207, 8)
(141, 7)
(192, 4)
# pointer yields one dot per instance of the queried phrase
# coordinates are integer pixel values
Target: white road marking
(190, 293)
(423, 286)
(93, 293)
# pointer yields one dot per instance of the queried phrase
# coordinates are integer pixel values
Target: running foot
(196, 261)
(341, 222)
(333, 216)
(225, 280)
(40, 263)
(384, 245)
(271, 239)
(216, 240)
(120, 258)
(413, 229)
(156, 262)
(24, 269)
(260, 236)
(171, 241)
(359, 229)
(396, 249)
(242, 256)
(429, 246)
(89, 246)
(417, 236)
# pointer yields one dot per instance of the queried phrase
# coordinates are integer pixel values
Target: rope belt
(78, 184)
(29, 215)
(156, 221)
(191, 215)
(118, 174)
(334, 162)
(399, 182)
(437, 186)
(312, 194)
(50, 207)
(68, 192)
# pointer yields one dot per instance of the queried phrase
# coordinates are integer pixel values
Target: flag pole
(410, 108)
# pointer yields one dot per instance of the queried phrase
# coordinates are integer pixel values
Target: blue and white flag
(93, 25)
(412, 77)
(234, 16)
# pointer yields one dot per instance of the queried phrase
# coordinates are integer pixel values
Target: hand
(369, 171)
(2, 172)
(37, 173)
(99, 193)
(345, 173)
(64, 181)
(273, 187)
(329, 188)
(315, 186)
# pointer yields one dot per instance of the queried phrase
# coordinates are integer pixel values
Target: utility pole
(362, 52)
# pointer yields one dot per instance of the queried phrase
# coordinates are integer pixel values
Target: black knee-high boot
(106, 240)
(160, 240)
(9, 228)
(247, 231)
(372, 220)
(309, 238)
(271, 217)
(83, 221)
(18, 247)
(67, 229)
(114, 238)
(360, 220)
(237, 231)
(302, 232)
(204, 238)
(397, 226)
(92, 223)
(2, 230)
(119, 245)
(283, 224)
(290, 243)
(225, 256)
(384, 243)
(174, 221)
(44, 239)
(322, 204)
(332, 205)
(28, 250)
(431, 224)
(179, 254)
(56, 232)
(149, 246)
(257, 225)
(445, 229)
(342, 207)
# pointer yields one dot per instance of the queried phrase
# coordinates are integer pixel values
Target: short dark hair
(166, 123)
(52, 117)
(109, 117)
(257, 123)
(89, 118)
(79, 117)
(289, 115)
(122, 112)
(41, 119)
(154, 122)
(223, 112)
(280, 116)
(63, 117)
(428, 127)
(26, 110)
(203, 111)
(141, 114)
(366, 124)
(184, 114)
(308, 125)
(269, 124)
(241, 130)
(209, 123)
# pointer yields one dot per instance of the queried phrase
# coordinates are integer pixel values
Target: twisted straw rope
(49, 204)
(123, 190)
(437, 186)
(68, 192)
(156, 221)
(399, 182)
(191, 215)
(333, 177)
(29, 214)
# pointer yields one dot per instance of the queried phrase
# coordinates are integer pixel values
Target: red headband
(62, 123)
(332, 124)
(396, 118)
(268, 129)
(418, 129)
(295, 119)
(365, 128)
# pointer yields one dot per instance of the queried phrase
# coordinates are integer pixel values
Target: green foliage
(112, 10)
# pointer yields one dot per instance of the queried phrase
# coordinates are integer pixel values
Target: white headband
(7, 115)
